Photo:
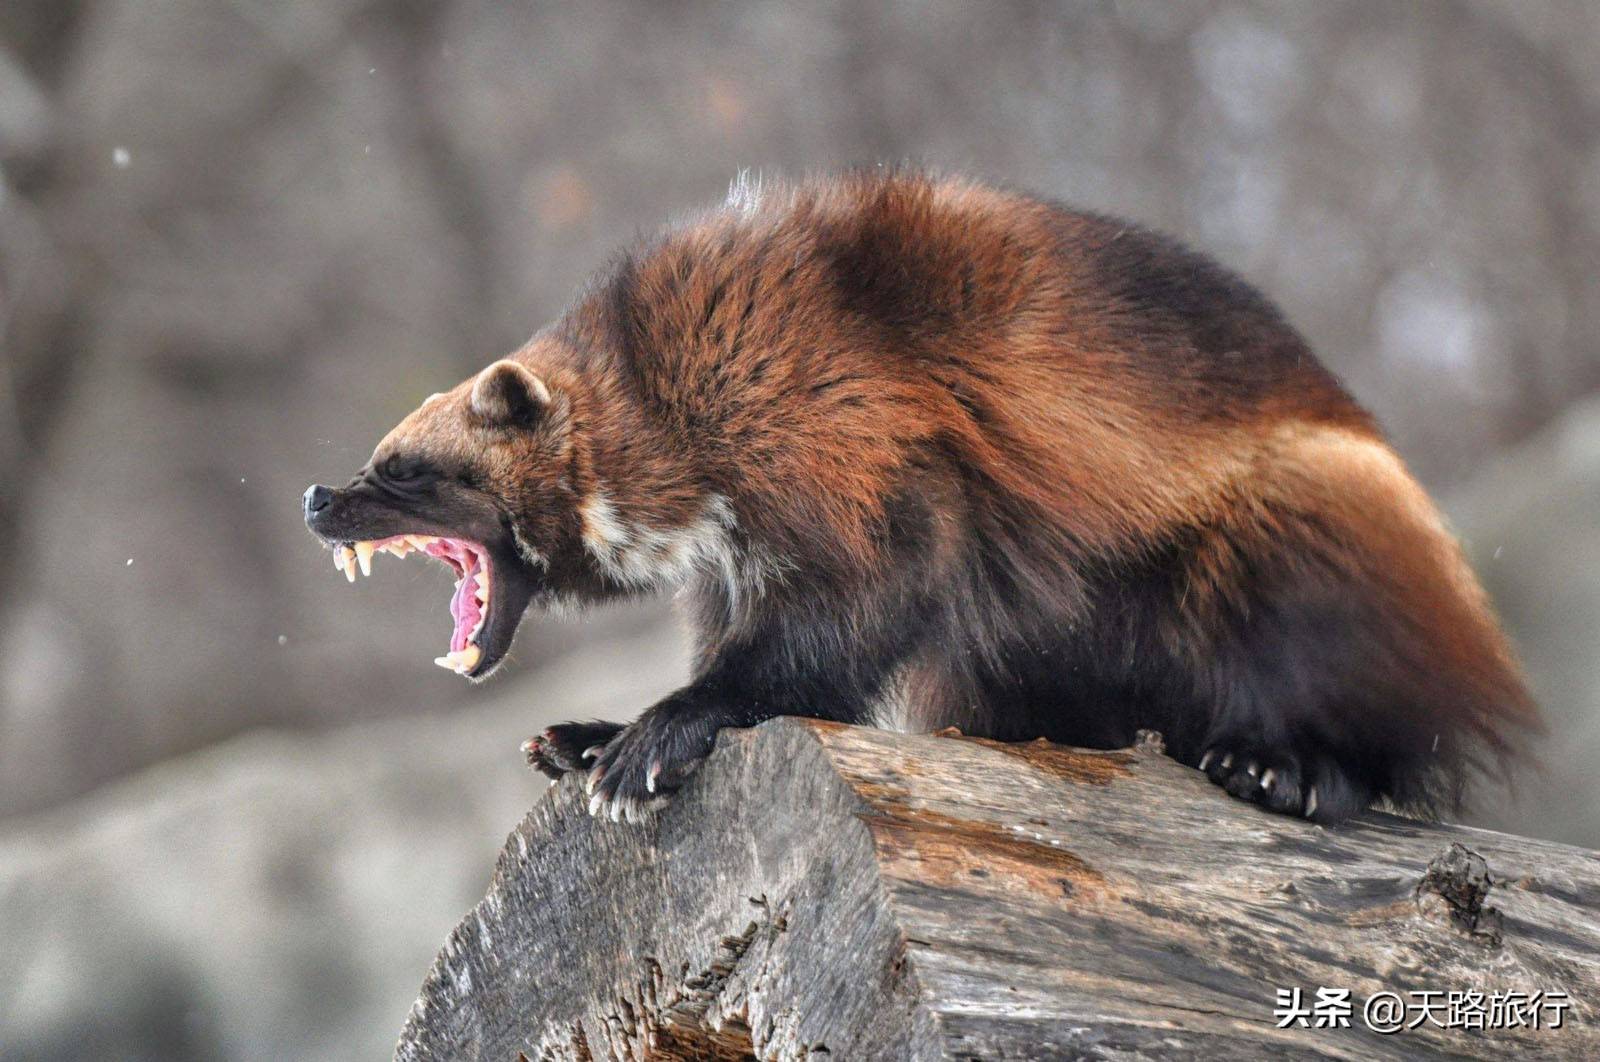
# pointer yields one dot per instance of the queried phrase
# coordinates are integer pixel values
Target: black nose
(317, 499)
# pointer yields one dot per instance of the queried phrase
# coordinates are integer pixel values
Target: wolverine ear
(507, 394)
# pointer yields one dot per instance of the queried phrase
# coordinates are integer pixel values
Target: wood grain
(831, 892)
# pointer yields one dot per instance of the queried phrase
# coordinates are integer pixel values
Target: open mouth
(470, 606)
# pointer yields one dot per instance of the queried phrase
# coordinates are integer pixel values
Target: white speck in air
(1497, 551)
(283, 639)
(121, 158)
(129, 564)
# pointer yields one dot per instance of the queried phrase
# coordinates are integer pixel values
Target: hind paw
(1318, 789)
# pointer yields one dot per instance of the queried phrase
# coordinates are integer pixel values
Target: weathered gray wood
(833, 892)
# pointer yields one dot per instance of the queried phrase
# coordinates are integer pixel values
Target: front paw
(568, 747)
(649, 760)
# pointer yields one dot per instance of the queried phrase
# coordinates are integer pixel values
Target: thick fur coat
(926, 453)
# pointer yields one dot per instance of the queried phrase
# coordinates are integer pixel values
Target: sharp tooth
(364, 557)
(420, 541)
(350, 566)
(460, 661)
(338, 557)
(482, 590)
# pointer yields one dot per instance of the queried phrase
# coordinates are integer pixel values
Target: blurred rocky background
(240, 238)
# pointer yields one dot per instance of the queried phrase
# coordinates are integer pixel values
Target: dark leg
(1283, 682)
(1303, 724)
(818, 672)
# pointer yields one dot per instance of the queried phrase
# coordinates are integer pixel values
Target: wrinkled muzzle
(492, 584)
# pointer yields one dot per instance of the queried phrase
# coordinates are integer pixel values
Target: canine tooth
(338, 557)
(481, 592)
(350, 566)
(460, 661)
(364, 557)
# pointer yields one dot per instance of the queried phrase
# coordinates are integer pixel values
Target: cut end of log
(822, 891)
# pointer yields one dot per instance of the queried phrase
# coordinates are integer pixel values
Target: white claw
(1227, 761)
(592, 751)
(650, 778)
(616, 810)
(1311, 803)
(1266, 778)
(1205, 761)
(364, 557)
(594, 804)
(1252, 769)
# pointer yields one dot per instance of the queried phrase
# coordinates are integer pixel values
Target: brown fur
(1033, 470)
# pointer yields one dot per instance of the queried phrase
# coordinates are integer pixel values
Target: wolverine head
(477, 477)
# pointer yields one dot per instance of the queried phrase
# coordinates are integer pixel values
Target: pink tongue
(464, 606)
(466, 610)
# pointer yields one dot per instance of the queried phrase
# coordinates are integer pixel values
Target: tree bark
(821, 891)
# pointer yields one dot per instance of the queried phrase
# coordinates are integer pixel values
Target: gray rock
(276, 896)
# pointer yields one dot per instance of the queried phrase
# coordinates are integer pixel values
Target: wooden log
(829, 892)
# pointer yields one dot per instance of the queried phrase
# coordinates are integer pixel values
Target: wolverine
(921, 452)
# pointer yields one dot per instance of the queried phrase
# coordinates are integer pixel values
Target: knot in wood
(1460, 877)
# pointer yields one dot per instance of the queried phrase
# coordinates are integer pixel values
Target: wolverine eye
(398, 470)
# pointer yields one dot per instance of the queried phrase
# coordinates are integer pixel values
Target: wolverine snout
(315, 505)
(317, 498)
